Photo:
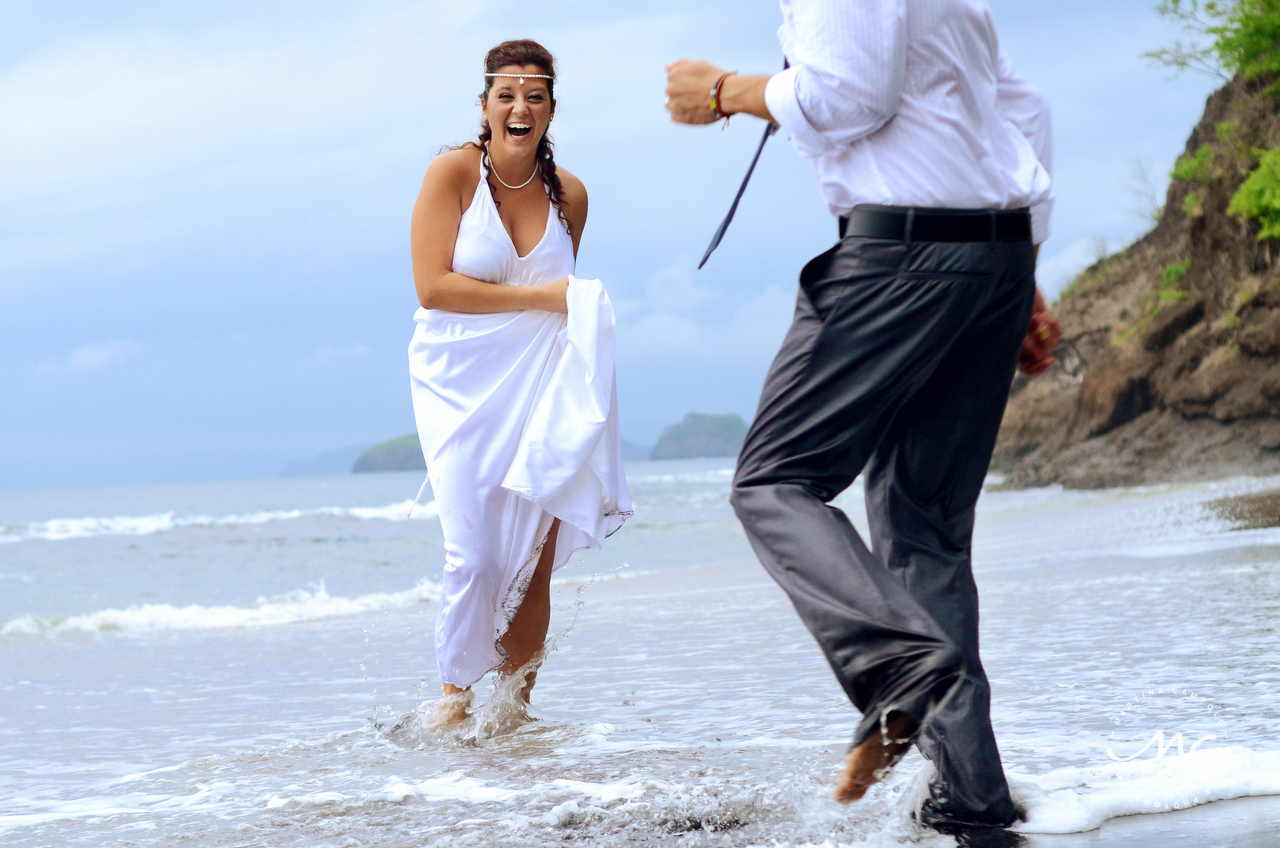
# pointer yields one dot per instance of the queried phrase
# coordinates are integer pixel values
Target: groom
(934, 155)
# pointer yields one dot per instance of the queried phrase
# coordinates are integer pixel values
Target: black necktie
(769, 130)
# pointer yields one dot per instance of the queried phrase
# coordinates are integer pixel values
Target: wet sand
(1254, 511)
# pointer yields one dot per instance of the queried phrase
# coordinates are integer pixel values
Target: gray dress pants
(897, 365)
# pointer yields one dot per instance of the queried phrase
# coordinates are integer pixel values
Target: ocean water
(247, 663)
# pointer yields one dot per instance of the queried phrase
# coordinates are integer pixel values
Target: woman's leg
(528, 631)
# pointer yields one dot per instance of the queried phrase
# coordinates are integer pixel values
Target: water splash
(458, 719)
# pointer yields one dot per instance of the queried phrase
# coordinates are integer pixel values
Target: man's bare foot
(452, 709)
(870, 762)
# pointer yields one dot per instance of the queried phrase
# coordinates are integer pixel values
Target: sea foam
(203, 797)
(299, 605)
(460, 787)
(1075, 800)
(61, 529)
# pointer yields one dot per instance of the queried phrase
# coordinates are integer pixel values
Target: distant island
(400, 454)
(702, 435)
(698, 435)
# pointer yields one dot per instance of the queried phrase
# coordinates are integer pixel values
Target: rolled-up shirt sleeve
(845, 79)
(1028, 111)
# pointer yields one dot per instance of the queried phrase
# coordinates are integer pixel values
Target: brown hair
(523, 52)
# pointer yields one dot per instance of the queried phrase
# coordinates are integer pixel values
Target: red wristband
(715, 95)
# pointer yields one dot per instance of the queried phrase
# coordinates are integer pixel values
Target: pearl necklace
(494, 171)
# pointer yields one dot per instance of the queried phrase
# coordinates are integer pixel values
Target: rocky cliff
(1169, 367)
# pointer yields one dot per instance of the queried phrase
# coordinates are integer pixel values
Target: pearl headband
(522, 77)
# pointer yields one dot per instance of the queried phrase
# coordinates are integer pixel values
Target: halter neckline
(546, 227)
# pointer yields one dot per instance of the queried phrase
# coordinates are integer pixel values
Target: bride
(511, 368)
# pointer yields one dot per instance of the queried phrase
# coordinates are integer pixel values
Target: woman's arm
(432, 235)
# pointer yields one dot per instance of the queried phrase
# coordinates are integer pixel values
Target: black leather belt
(912, 223)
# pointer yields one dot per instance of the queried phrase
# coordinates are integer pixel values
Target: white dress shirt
(911, 103)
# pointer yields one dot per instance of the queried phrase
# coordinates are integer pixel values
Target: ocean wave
(299, 605)
(61, 529)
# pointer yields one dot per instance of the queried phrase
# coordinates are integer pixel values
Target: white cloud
(330, 353)
(674, 290)
(150, 104)
(750, 332)
(90, 357)
(680, 318)
(137, 142)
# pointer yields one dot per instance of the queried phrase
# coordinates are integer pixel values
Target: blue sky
(204, 266)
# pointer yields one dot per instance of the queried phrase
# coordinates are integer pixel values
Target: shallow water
(186, 680)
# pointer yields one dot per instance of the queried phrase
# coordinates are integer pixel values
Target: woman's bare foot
(870, 762)
(452, 709)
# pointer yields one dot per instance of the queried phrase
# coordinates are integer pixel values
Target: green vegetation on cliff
(1231, 37)
(1259, 196)
(1240, 37)
(1247, 39)
(702, 435)
(400, 454)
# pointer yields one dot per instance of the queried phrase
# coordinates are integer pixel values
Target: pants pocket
(850, 263)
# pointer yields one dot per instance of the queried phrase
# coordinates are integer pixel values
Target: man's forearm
(689, 84)
(744, 94)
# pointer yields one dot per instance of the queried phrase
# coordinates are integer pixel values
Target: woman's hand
(550, 297)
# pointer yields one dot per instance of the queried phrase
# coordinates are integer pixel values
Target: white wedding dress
(517, 413)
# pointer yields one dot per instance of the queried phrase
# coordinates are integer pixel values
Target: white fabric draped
(517, 413)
